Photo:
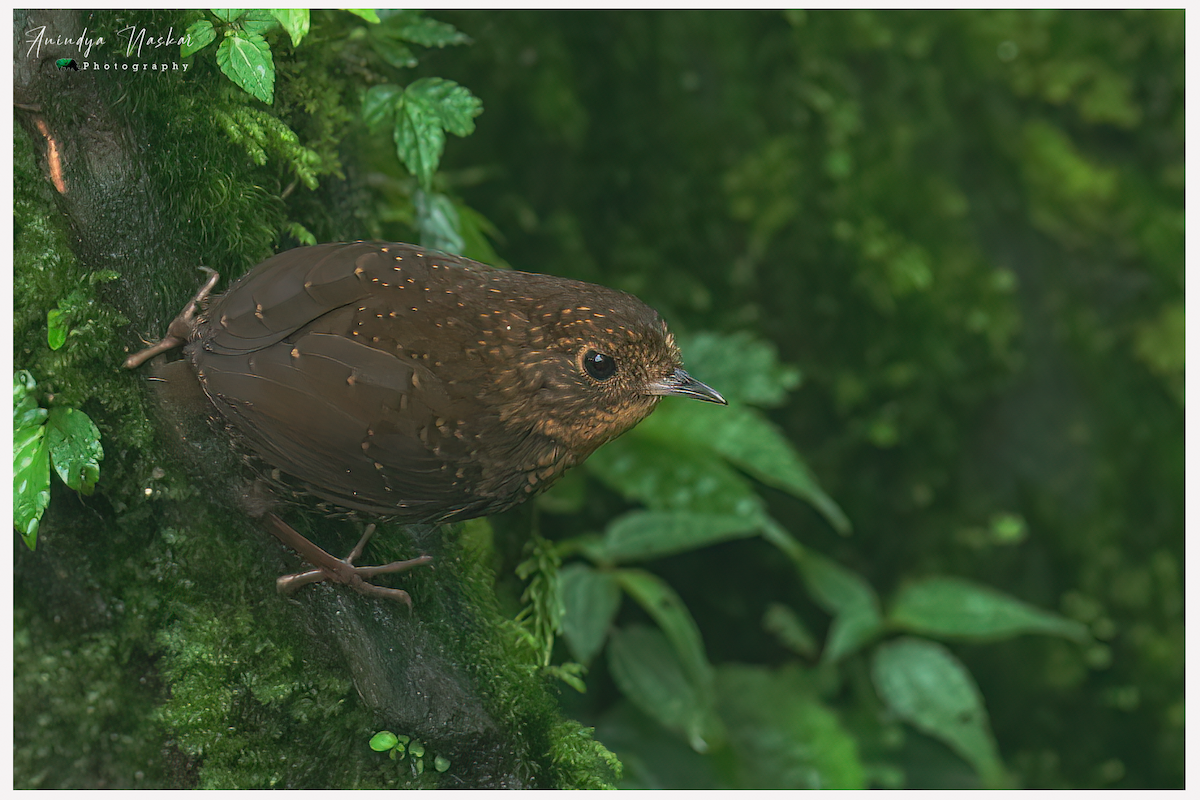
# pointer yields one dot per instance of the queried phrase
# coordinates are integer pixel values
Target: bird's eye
(599, 365)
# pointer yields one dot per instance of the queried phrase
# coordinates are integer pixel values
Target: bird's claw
(180, 328)
(339, 570)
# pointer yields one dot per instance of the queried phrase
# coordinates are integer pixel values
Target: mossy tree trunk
(151, 648)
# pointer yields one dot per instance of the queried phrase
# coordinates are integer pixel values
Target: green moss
(147, 621)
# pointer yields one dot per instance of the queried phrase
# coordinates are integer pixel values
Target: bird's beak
(686, 386)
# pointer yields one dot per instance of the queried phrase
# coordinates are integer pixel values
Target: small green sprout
(400, 746)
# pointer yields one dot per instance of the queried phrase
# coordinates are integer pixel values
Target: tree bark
(152, 601)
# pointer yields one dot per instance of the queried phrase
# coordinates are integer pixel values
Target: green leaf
(923, 684)
(23, 386)
(26, 411)
(394, 52)
(56, 328)
(383, 741)
(366, 13)
(427, 108)
(851, 600)
(834, 587)
(28, 414)
(673, 475)
(672, 616)
(198, 36)
(781, 735)
(419, 137)
(850, 630)
(782, 622)
(455, 106)
(227, 14)
(294, 20)
(379, 104)
(647, 671)
(31, 480)
(743, 436)
(427, 32)
(247, 62)
(641, 535)
(258, 21)
(590, 600)
(477, 231)
(740, 366)
(75, 451)
(952, 607)
(437, 222)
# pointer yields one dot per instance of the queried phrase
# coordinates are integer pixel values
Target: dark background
(967, 230)
(964, 229)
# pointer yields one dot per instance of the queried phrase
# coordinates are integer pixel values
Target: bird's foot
(180, 328)
(339, 570)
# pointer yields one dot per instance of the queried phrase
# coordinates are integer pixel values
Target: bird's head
(598, 363)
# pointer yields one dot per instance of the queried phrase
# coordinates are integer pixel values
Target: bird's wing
(364, 423)
(288, 291)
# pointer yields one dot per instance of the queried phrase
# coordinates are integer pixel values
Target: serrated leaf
(198, 36)
(429, 32)
(922, 683)
(31, 481)
(56, 329)
(781, 735)
(247, 61)
(379, 104)
(641, 535)
(75, 451)
(427, 108)
(419, 138)
(744, 437)
(366, 13)
(227, 14)
(393, 52)
(672, 616)
(647, 671)
(590, 600)
(258, 21)
(953, 607)
(294, 20)
(454, 105)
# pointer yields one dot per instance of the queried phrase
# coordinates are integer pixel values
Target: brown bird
(402, 382)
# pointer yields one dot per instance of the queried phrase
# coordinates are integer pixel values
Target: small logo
(67, 63)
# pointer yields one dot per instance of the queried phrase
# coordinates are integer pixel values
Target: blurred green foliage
(966, 230)
(934, 260)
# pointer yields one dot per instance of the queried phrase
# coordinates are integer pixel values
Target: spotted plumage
(392, 380)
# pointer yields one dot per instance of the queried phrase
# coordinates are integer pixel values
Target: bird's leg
(336, 569)
(180, 328)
